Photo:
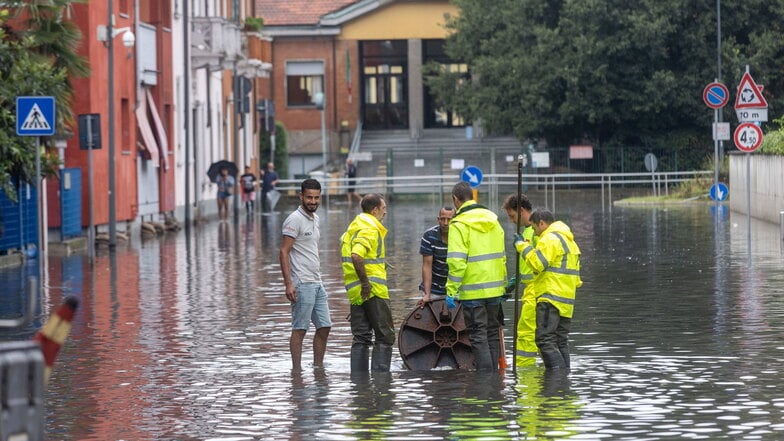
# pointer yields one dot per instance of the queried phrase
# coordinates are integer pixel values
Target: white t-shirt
(304, 257)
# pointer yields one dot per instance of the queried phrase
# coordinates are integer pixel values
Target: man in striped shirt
(433, 250)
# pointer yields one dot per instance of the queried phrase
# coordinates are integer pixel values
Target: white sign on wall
(457, 164)
(540, 159)
(721, 131)
(419, 162)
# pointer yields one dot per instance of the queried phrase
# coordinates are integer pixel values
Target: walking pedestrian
(526, 351)
(365, 276)
(268, 181)
(249, 183)
(300, 265)
(351, 176)
(432, 247)
(555, 261)
(225, 190)
(477, 273)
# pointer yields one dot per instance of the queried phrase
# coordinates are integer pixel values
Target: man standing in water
(525, 346)
(364, 272)
(300, 265)
(433, 247)
(477, 271)
(555, 261)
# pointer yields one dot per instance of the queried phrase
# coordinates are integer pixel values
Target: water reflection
(676, 335)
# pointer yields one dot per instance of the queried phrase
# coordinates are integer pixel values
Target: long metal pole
(517, 262)
(237, 113)
(324, 151)
(38, 211)
(187, 111)
(90, 186)
(236, 139)
(112, 202)
(718, 67)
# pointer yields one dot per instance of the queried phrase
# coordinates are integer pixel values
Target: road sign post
(35, 117)
(716, 95)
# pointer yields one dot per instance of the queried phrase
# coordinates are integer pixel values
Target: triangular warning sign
(36, 120)
(749, 94)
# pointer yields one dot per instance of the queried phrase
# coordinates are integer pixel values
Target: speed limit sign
(748, 137)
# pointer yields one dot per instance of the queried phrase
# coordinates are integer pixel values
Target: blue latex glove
(519, 242)
(450, 302)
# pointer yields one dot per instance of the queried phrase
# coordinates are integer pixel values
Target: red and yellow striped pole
(54, 332)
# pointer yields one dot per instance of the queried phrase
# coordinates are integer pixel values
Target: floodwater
(677, 334)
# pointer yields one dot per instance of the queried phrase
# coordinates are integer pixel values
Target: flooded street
(678, 334)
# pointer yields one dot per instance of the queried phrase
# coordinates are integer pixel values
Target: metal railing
(494, 184)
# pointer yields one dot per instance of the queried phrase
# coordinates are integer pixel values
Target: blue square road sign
(35, 116)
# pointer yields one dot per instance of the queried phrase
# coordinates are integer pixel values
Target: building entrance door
(384, 91)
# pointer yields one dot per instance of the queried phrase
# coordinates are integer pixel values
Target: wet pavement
(677, 335)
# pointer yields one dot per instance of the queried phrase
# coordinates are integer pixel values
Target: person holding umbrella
(225, 190)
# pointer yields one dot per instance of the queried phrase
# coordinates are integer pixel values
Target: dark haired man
(525, 346)
(300, 265)
(433, 247)
(365, 275)
(477, 273)
(555, 261)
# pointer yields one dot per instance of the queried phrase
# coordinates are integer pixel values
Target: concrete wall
(767, 185)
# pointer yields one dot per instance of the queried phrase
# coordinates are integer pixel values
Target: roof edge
(352, 11)
(300, 31)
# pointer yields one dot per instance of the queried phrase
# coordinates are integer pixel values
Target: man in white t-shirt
(299, 263)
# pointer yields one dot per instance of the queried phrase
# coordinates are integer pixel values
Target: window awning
(163, 140)
(148, 143)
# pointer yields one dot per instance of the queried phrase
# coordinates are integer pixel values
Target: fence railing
(496, 184)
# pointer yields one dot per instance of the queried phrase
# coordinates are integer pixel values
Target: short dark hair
(310, 184)
(447, 208)
(542, 214)
(462, 191)
(510, 203)
(370, 202)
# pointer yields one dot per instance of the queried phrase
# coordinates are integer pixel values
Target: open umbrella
(214, 171)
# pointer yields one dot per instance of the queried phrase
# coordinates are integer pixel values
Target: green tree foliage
(38, 52)
(22, 73)
(607, 72)
(281, 160)
(773, 142)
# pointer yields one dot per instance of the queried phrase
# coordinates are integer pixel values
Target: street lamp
(106, 34)
(320, 101)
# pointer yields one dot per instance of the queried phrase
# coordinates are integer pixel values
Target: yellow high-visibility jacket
(556, 264)
(475, 254)
(365, 237)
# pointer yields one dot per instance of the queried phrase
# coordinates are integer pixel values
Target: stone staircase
(437, 152)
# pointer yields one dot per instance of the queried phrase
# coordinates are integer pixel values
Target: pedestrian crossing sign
(35, 116)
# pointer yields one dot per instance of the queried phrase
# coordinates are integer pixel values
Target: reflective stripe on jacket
(526, 272)
(365, 238)
(475, 254)
(556, 264)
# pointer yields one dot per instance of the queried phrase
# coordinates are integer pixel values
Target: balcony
(216, 43)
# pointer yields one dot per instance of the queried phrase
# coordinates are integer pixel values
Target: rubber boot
(553, 360)
(359, 358)
(381, 359)
(564, 350)
(484, 362)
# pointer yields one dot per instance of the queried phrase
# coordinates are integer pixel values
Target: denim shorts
(311, 306)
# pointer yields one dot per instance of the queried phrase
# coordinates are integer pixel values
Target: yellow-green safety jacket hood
(365, 237)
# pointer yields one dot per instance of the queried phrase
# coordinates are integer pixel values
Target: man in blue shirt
(268, 181)
(433, 250)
